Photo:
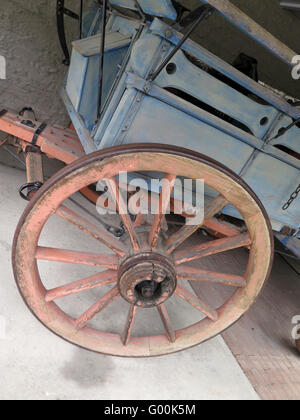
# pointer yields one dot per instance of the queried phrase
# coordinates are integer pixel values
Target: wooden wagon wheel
(146, 270)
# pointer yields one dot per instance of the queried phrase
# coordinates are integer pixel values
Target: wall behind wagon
(29, 42)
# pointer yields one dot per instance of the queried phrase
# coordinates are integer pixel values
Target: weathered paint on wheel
(135, 158)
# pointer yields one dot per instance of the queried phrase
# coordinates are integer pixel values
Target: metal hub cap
(147, 280)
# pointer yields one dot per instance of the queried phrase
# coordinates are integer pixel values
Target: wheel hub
(147, 279)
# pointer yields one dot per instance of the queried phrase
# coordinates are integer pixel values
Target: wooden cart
(137, 92)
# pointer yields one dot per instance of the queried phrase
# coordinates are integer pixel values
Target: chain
(292, 198)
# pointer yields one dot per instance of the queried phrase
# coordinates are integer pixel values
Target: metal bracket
(28, 123)
(27, 109)
(61, 11)
(31, 187)
(102, 51)
(38, 133)
(203, 13)
(191, 17)
(32, 149)
(180, 9)
(3, 112)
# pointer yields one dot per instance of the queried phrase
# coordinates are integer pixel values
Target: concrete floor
(35, 364)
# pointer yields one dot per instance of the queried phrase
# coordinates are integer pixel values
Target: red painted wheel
(147, 268)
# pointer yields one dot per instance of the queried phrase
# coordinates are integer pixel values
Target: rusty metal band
(3, 112)
(38, 132)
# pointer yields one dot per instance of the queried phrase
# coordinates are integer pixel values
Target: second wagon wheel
(148, 268)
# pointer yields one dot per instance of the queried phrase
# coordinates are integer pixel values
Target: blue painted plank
(292, 243)
(194, 111)
(273, 181)
(127, 4)
(199, 84)
(162, 8)
(112, 132)
(157, 122)
(290, 139)
(83, 133)
(76, 76)
(160, 28)
(89, 101)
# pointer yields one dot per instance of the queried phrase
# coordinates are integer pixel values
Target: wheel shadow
(88, 369)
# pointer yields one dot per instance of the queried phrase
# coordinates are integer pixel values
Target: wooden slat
(76, 257)
(211, 248)
(186, 231)
(195, 274)
(125, 337)
(197, 303)
(167, 323)
(94, 310)
(123, 212)
(89, 228)
(221, 228)
(164, 202)
(53, 141)
(92, 282)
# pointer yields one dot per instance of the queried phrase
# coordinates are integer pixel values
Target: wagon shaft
(55, 142)
(234, 15)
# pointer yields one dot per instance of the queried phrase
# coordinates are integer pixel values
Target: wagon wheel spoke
(211, 248)
(102, 303)
(167, 323)
(125, 337)
(76, 257)
(197, 303)
(193, 274)
(89, 283)
(123, 212)
(90, 229)
(187, 230)
(163, 204)
(221, 228)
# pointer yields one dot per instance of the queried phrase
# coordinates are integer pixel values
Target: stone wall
(29, 42)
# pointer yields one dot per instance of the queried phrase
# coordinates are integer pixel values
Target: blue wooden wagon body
(186, 105)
